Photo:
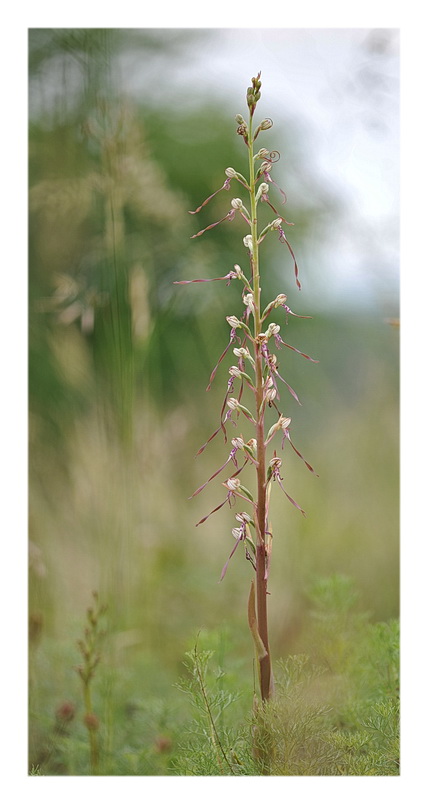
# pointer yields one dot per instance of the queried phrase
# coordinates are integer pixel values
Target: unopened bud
(266, 123)
(256, 82)
(239, 119)
(248, 242)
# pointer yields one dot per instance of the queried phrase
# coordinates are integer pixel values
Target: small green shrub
(335, 711)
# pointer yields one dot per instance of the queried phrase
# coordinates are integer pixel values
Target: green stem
(214, 734)
(93, 739)
(261, 581)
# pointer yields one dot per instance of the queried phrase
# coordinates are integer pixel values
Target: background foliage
(119, 360)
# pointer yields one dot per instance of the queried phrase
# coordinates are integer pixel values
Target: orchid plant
(256, 374)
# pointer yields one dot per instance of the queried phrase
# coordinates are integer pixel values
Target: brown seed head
(65, 712)
(91, 721)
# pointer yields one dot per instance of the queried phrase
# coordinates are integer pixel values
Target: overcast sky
(338, 88)
(341, 87)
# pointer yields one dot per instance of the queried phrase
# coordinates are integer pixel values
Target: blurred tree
(109, 231)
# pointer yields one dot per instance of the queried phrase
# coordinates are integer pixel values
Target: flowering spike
(256, 376)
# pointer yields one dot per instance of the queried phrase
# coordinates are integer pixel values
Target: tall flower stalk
(257, 373)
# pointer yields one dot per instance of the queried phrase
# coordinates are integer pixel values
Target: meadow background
(128, 130)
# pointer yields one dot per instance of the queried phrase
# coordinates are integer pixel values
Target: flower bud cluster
(253, 93)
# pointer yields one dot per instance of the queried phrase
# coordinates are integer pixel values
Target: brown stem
(261, 580)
